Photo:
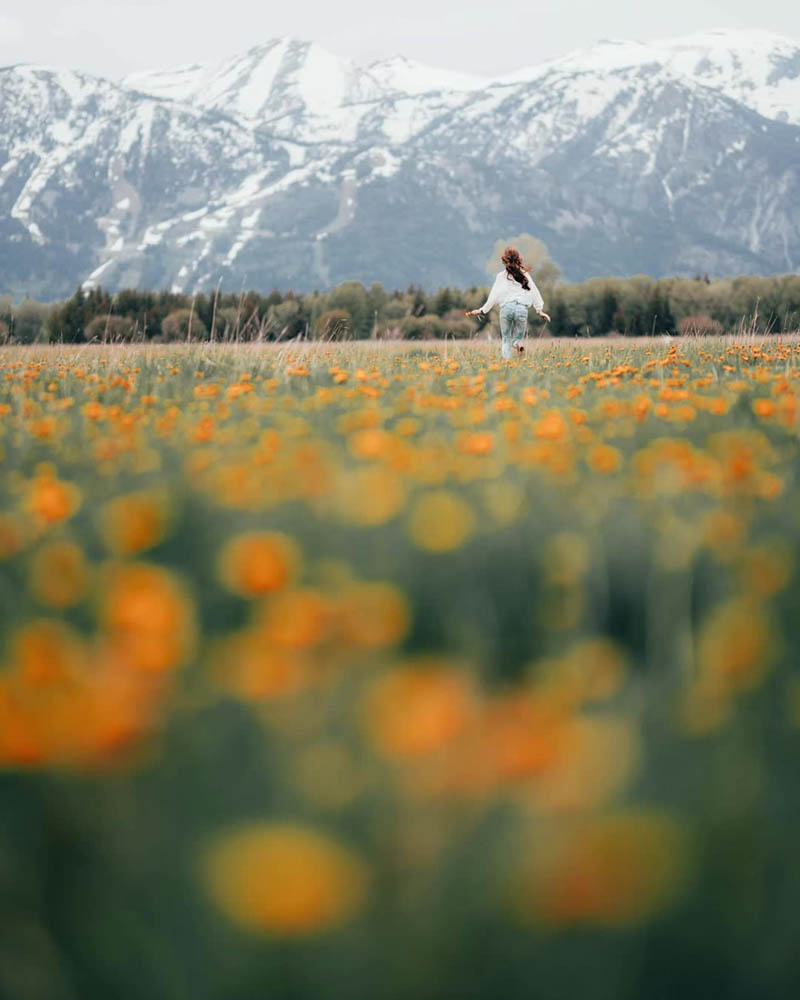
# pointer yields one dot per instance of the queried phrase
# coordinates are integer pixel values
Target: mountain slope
(289, 166)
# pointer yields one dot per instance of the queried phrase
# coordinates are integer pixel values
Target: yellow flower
(371, 495)
(284, 880)
(441, 522)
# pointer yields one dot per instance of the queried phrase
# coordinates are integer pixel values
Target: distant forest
(631, 307)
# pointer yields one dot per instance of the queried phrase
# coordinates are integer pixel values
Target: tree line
(636, 306)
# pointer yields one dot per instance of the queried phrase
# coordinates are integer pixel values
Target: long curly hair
(514, 267)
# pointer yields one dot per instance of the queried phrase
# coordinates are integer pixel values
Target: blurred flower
(371, 615)
(13, 536)
(49, 498)
(133, 523)
(257, 563)
(551, 426)
(614, 870)
(604, 459)
(441, 521)
(566, 558)
(250, 666)
(58, 574)
(371, 495)
(767, 568)
(504, 501)
(283, 880)
(296, 619)
(147, 617)
(591, 670)
(417, 708)
(735, 646)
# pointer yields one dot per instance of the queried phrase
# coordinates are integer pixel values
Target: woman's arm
(493, 296)
(538, 301)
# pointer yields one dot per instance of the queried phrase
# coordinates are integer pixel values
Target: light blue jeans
(513, 323)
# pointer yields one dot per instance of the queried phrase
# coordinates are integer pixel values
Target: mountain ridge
(288, 166)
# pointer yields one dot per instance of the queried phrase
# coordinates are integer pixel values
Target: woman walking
(514, 291)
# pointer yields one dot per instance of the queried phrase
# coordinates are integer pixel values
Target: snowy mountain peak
(397, 74)
(273, 78)
(288, 165)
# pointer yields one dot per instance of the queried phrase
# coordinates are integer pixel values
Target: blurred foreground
(356, 672)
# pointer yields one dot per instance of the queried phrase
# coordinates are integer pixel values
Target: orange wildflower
(551, 427)
(605, 459)
(250, 666)
(612, 870)
(735, 646)
(416, 709)
(147, 617)
(763, 407)
(479, 443)
(257, 563)
(284, 880)
(13, 536)
(49, 498)
(133, 523)
(371, 615)
(296, 619)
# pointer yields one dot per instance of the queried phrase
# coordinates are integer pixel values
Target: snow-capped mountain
(288, 166)
(758, 68)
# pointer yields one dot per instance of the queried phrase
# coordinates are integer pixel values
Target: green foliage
(30, 322)
(335, 324)
(183, 324)
(112, 329)
(636, 306)
(352, 298)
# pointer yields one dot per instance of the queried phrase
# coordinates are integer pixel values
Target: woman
(514, 291)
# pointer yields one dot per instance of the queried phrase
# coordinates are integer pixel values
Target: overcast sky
(476, 36)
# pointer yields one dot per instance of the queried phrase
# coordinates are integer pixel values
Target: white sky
(481, 37)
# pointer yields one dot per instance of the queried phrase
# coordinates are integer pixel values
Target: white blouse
(506, 289)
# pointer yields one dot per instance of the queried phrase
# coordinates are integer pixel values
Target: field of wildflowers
(364, 671)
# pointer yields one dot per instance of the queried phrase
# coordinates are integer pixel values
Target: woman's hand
(544, 315)
(473, 312)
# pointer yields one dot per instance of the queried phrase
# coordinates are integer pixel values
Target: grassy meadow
(362, 671)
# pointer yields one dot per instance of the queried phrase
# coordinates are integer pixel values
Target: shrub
(183, 324)
(111, 329)
(428, 327)
(700, 326)
(30, 318)
(334, 325)
(228, 323)
(391, 331)
(458, 326)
